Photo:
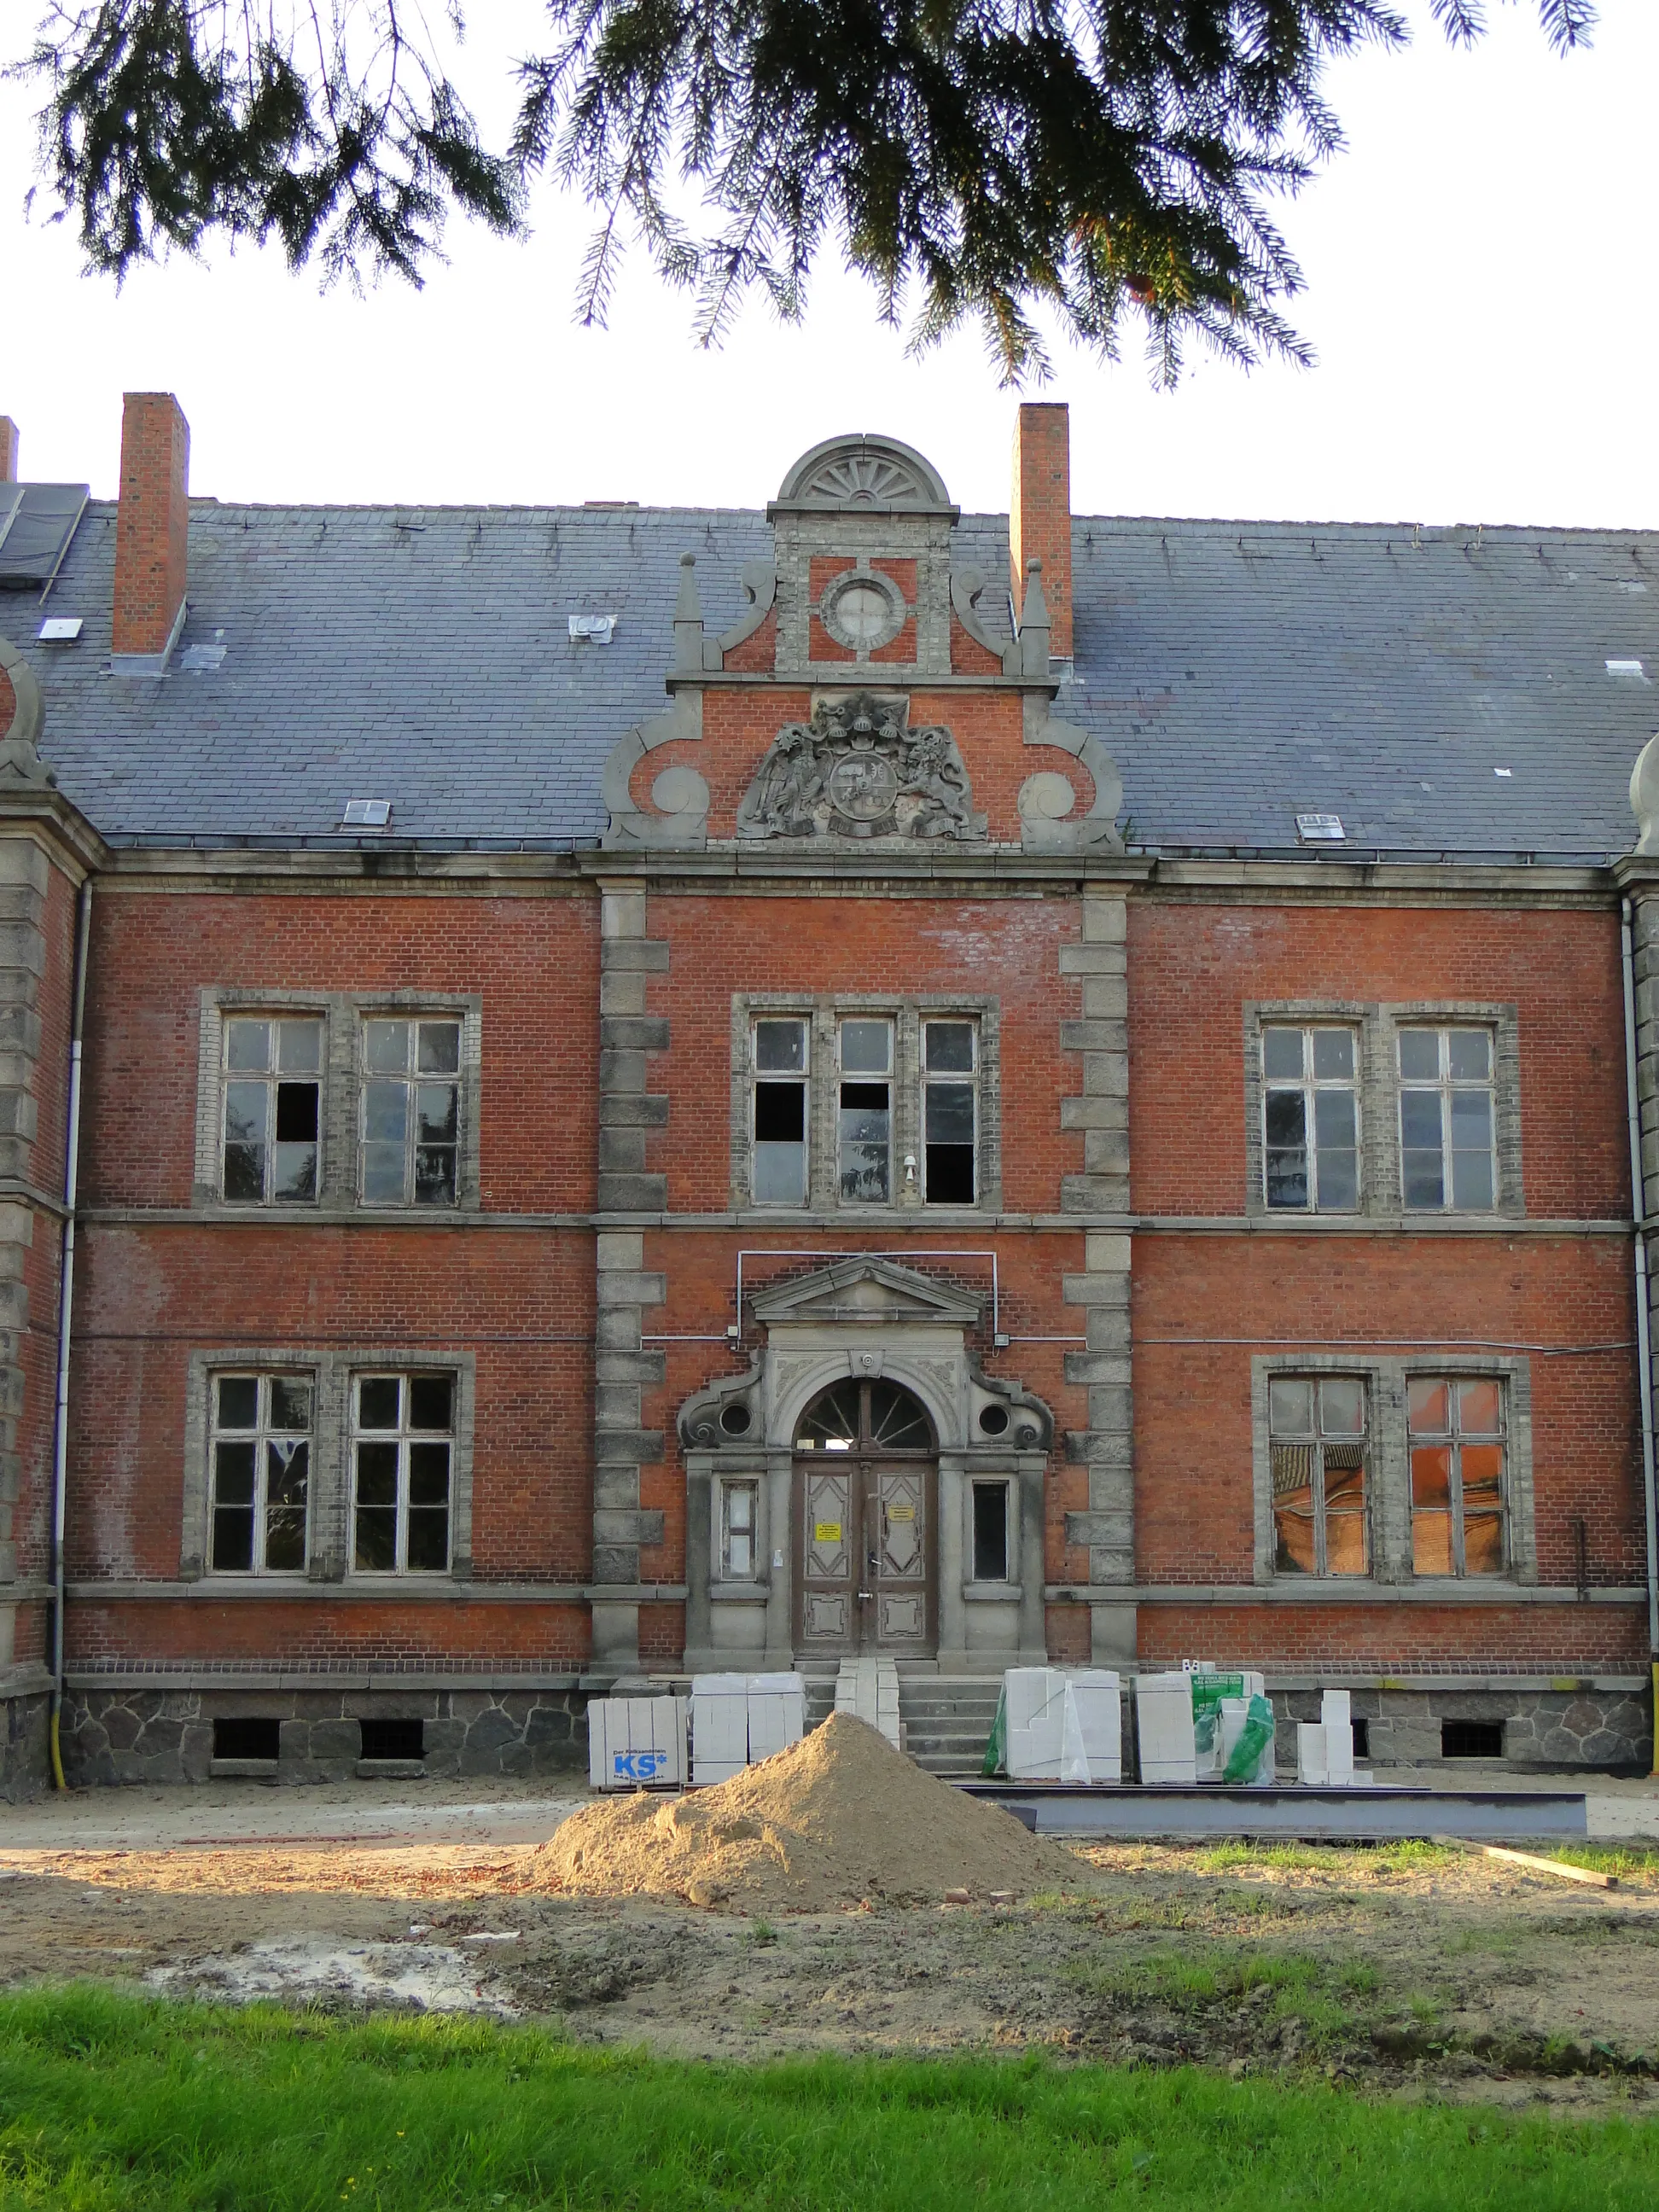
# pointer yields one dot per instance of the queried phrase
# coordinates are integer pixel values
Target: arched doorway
(866, 1495)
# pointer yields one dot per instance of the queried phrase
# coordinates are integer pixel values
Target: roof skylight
(1320, 830)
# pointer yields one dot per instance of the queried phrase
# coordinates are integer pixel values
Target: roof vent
(59, 629)
(596, 627)
(1320, 830)
(1627, 668)
(367, 813)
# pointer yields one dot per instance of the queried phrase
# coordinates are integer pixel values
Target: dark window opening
(242, 1737)
(1471, 1739)
(1362, 1739)
(990, 1532)
(950, 1175)
(389, 1738)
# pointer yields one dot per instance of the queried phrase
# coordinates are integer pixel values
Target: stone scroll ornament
(20, 757)
(857, 769)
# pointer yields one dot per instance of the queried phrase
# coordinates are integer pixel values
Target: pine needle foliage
(1015, 163)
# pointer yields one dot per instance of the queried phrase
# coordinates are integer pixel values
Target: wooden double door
(865, 1513)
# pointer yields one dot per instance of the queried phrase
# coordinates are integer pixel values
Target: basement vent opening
(389, 1738)
(241, 1737)
(1320, 830)
(1362, 1738)
(367, 813)
(1471, 1739)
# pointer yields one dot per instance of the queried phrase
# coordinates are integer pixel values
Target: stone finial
(20, 759)
(1644, 797)
(687, 620)
(1034, 623)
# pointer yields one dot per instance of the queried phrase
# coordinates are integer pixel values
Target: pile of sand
(839, 1817)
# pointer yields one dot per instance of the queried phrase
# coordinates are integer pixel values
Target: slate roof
(1237, 672)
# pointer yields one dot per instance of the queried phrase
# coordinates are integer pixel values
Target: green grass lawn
(109, 2101)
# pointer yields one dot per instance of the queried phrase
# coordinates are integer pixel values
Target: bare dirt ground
(1400, 1968)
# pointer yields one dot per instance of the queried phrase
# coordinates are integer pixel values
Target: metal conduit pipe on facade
(65, 1314)
(1645, 1351)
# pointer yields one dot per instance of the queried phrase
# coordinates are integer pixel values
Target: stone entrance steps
(946, 1719)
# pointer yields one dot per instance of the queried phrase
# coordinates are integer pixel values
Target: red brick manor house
(592, 1092)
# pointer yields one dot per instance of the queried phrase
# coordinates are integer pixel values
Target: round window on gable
(863, 610)
(992, 1419)
(735, 1421)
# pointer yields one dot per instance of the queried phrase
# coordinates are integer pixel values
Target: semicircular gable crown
(867, 474)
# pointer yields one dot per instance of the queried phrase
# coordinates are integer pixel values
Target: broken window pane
(261, 1465)
(778, 1173)
(271, 1127)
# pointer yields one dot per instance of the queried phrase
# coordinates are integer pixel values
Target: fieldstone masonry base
(127, 1734)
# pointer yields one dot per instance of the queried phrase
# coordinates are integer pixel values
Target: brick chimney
(152, 526)
(1040, 513)
(7, 450)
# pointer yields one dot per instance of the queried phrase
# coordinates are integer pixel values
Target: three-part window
(865, 1103)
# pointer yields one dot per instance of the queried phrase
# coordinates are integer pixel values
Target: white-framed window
(992, 1517)
(950, 1112)
(1310, 1117)
(864, 1107)
(1316, 1429)
(1459, 1491)
(259, 1458)
(1447, 1158)
(739, 1527)
(781, 1060)
(403, 1452)
(409, 1128)
(272, 1070)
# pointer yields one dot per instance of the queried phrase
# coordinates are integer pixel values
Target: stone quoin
(627, 1091)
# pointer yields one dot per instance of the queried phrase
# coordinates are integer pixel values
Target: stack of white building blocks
(869, 1690)
(736, 1719)
(1201, 1725)
(1062, 1725)
(1324, 1747)
(633, 1742)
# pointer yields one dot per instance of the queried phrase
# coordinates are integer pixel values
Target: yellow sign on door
(827, 1532)
(900, 1513)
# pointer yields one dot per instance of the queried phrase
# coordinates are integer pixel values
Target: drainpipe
(65, 1311)
(1643, 1350)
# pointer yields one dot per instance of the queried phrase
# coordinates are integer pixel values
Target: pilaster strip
(1101, 1114)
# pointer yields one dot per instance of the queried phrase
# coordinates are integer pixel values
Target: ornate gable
(866, 1290)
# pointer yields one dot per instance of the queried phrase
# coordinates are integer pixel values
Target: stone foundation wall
(126, 1735)
(25, 1770)
(1597, 1729)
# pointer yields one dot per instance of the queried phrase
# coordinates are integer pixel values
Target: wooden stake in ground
(1586, 1874)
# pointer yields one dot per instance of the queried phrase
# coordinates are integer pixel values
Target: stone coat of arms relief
(857, 769)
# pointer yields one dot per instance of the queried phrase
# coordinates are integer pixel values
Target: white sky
(1479, 267)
